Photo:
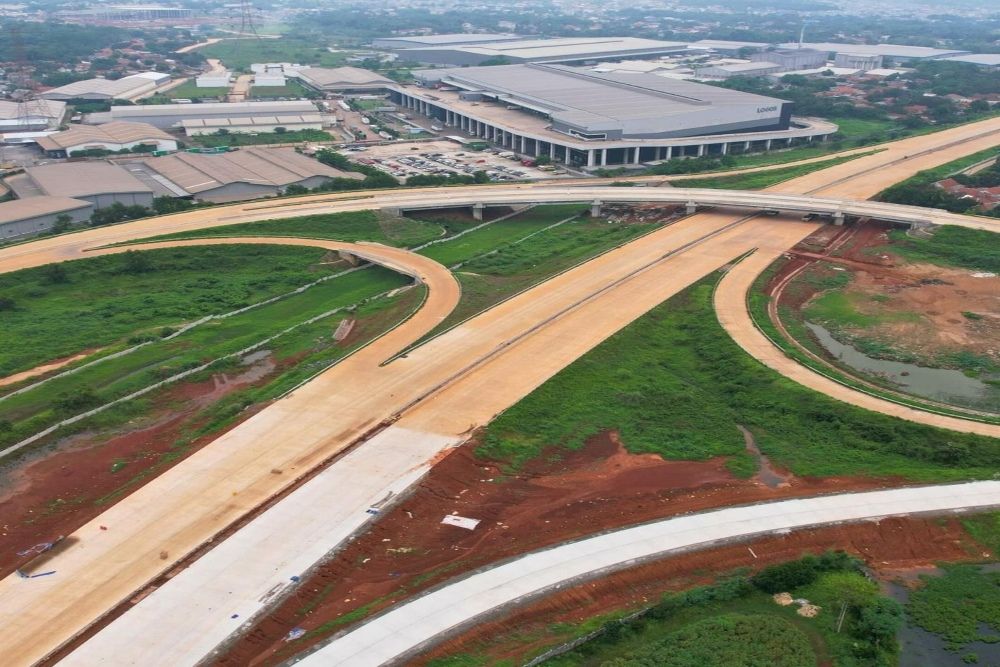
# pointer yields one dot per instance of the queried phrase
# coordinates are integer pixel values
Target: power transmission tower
(246, 27)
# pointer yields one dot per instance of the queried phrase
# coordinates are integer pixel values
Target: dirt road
(496, 358)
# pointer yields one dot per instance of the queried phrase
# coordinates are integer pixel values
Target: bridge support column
(838, 218)
(595, 208)
(477, 211)
(351, 259)
(692, 208)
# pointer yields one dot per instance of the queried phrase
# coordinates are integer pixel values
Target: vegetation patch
(962, 605)
(764, 179)
(279, 136)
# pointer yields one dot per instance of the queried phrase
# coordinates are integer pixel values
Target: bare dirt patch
(557, 497)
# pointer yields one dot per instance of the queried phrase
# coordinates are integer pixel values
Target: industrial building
(21, 218)
(166, 116)
(216, 79)
(591, 119)
(269, 79)
(249, 173)
(791, 59)
(125, 88)
(558, 50)
(738, 69)
(451, 39)
(115, 136)
(895, 52)
(198, 126)
(99, 183)
(727, 47)
(30, 116)
(343, 80)
(862, 61)
(988, 60)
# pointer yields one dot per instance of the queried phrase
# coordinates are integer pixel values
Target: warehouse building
(166, 116)
(861, 61)
(343, 80)
(126, 88)
(249, 173)
(727, 47)
(219, 79)
(896, 52)
(115, 136)
(738, 69)
(100, 183)
(451, 39)
(559, 50)
(791, 59)
(986, 60)
(198, 126)
(592, 119)
(31, 116)
(22, 218)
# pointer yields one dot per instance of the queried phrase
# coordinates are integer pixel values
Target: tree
(55, 274)
(880, 620)
(280, 130)
(137, 262)
(296, 189)
(163, 205)
(61, 224)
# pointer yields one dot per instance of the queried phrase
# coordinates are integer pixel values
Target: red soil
(556, 498)
(60, 491)
(891, 547)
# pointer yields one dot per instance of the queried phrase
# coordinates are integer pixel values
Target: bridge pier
(595, 208)
(477, 211)
(393, 211)
(838, 218)
(350, 258)
(692, 208)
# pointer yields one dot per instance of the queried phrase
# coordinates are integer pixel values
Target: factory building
(249, 173)
(738, 69)
(558, 50)
(166, 116)
(115, 136)
(419, 41)
(592, 119)
(218, 79)
(197, 126)
(791, 59)
(22, 218)
(727, 47)
(985, 60)
(125, 88)
(899, 53)
(343, 80)
(862, 61)
(31, 116)
(99, 183)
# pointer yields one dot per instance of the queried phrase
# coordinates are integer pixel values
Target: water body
(939, 384)
(920, 648)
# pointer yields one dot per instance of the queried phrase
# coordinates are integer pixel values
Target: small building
(115, 136)
(31, 116)
(126, 88)
(269, 79)
(99, 183)
(198, 126)
(791, 59)
(167, 116)
(738, 69)
(249, 173)
(862, 61)
(344, 80)
(213, 80)
(22, 218)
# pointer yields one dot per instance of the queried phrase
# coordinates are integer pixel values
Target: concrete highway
(407, 629)
(497, 357)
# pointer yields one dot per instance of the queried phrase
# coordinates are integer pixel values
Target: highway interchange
(397, 418)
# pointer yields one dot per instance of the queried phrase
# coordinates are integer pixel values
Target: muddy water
(919, 648)
(939, 384)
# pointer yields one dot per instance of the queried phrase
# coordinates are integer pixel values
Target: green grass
(764, 179)
(292, 88)
(239, 54)
(101, 303)
(674, 383)
(262, 138)
(351, 226)
(62, 397)
(962, 605)
(191, 91)
(951, 246)
(985, 529)
(856, 128)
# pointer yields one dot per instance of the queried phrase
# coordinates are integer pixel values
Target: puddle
(939, 384)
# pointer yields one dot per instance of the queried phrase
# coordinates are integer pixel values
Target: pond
(939, 384)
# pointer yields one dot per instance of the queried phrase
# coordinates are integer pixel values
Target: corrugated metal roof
(261, 166)
(887, 50)
(109, 87)
(82, 179)
(341, 76)
(115, 132)
(44, 108)
(212, 109)
(33, 207)
(251, 122)
(563, 47)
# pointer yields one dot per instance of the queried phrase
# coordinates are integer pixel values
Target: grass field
(191, 91)
(674, 383)
(951, 246)
(262, 138)
(764, 179)
(352, 226)
(292, 88)
(239, 54)
(53, 313)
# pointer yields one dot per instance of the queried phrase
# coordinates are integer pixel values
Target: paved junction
(497, 357)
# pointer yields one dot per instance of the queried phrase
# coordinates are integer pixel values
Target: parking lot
(442, 158)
